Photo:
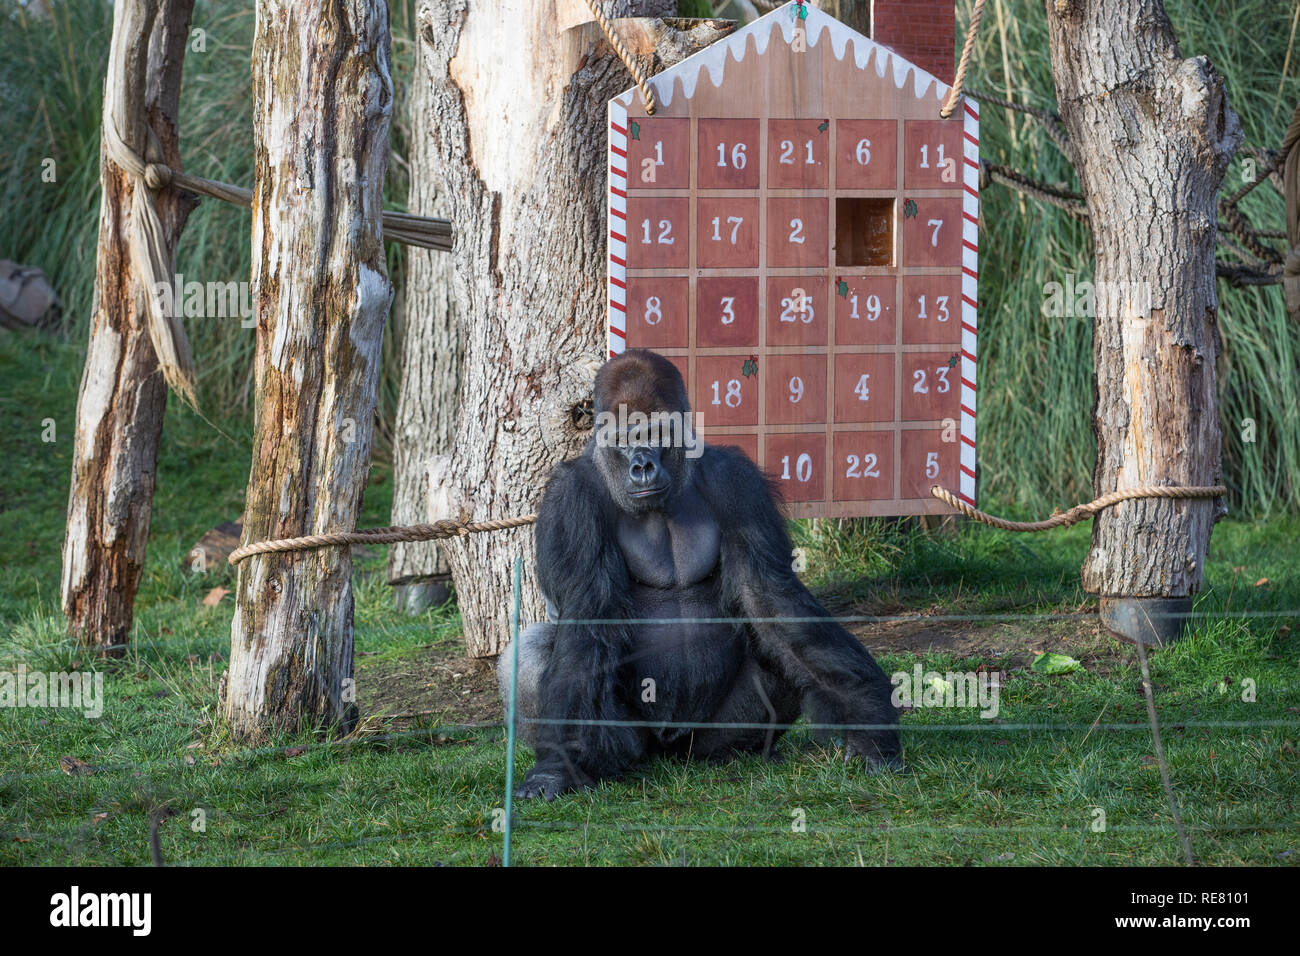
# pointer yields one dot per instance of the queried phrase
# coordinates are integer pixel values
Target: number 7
(934, 239)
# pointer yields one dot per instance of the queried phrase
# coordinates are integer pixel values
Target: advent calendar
(796, 229)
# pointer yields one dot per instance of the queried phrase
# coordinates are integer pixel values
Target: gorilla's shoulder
(727, 460)
(730, 478)
(575, 483)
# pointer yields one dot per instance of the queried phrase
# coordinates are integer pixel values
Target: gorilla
(672, 602)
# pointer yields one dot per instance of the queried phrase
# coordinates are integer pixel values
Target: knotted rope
(1078, 512)
(647, 97)
(954, 94)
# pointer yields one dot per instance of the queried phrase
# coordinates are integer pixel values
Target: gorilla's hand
(548, 782)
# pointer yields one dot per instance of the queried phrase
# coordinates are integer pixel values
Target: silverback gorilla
(669, 584)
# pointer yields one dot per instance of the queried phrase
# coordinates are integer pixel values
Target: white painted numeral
(733, 391)
(738, 158)
(802, 467)
(866, 469)
(861, 390)
(728, 309)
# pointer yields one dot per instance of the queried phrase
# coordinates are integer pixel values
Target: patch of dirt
(1009, 644)
(435, 683)
(438, 684)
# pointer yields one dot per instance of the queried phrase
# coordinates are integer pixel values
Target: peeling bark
(322, 104)
(1153, 134)
(519, 107)
(122, 397)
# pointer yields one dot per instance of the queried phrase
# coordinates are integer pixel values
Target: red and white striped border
(618, 136)
(970, 212)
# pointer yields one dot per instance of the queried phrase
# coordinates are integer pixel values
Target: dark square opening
(864, 232)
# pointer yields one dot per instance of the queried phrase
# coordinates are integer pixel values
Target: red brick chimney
(923, 31)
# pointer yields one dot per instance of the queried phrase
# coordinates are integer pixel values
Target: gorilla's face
(642, 475)
(643, 430)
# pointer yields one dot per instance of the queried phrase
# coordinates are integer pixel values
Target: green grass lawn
(416, 785)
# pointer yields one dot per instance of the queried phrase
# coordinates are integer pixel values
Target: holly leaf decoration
(750, 367)
(909, 209)
(636, 130)
(823, 126)
(842, 289)
(803, 12)
(952, 362)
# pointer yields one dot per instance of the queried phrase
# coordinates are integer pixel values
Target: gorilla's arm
(581, 570)
(838, 679)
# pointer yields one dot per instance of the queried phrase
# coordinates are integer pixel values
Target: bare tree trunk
(1152, 135)
(122, 397)
(431, 365)
(519, 108)
(852, 13)
(322, 104)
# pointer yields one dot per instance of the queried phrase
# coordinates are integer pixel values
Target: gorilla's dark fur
(631, 534)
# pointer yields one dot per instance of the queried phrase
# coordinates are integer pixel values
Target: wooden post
(122, 397)
(431, 371)
(1152, 135)
(518, 94)
(322, 100)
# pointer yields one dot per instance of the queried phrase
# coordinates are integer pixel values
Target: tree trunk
(851, 13)
(431, 365)
(519, 112)
(122, 397)
(1152, 135)
(322, 100)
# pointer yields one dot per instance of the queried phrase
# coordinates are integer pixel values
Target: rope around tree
(1078, 512)
(450, 528)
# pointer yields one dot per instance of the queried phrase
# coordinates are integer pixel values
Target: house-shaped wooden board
(796, 228)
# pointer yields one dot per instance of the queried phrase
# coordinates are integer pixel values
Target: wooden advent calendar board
(796, 229)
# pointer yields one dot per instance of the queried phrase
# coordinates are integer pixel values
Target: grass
(1019, 791)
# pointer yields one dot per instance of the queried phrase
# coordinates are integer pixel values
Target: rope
(1071, 202)
(425, 232)
(954, 94)
(447, 528)
(647, 97)
(1079, 512)
(1051, 121)
(1240, 227)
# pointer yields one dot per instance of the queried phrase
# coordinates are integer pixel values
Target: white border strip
(970, 208)
(617, 219)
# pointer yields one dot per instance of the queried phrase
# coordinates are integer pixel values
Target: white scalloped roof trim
(818, 25)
